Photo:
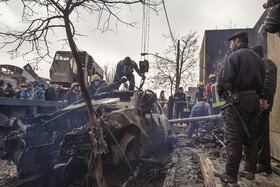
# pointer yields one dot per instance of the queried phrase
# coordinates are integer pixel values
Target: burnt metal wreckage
(52, 149)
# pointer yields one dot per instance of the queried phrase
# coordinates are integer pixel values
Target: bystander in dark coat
(9, 91)
(267, 97)
(74, 94)
(180, 101)
(2, 93)
(51, 94)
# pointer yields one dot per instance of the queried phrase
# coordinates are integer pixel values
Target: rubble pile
(184, 169)
(208, 136)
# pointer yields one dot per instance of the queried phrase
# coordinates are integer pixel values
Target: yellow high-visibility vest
(216, 100)
(188, 108)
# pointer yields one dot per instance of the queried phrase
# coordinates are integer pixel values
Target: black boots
(225, 177)
(247, 175)
(262, 168)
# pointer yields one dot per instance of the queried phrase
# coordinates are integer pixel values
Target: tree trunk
(92, 118)
(177, 67)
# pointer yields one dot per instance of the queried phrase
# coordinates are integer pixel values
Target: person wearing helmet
(27, 92)
(215, 100)
(95, 84)
(125, 68)
(38, 92)
(74, 94)
(104, 87)
(199, 95)
(212, 80)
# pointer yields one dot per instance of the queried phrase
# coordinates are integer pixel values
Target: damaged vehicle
(53, 149)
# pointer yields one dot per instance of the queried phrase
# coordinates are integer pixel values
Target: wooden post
(203, 118)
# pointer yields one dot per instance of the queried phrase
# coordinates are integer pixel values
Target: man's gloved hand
(123, 80)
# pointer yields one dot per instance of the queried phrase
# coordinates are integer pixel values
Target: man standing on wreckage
(240, 82)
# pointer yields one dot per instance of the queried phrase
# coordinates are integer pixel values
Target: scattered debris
(49, 148)
(184, 168)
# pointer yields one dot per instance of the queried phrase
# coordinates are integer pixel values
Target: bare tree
(109, 72)
(42, 19)
(168, 73)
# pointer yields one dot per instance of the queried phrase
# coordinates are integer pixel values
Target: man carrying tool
(243, 75)
(267, 98)
(125, 68)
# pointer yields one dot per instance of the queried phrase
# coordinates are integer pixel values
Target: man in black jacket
(180, 101)
(125, 68)
(267, 98)
(9, 91)
(74, 94)
(51, 94)
(243, 75)
(2, 84)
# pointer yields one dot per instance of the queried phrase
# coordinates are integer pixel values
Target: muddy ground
(185, 170)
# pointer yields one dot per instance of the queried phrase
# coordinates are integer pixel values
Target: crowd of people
(36, 91)
(29, 91)
(244, 91)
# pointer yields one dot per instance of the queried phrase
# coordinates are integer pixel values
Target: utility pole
(177, 67)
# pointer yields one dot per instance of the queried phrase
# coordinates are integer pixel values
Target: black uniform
(72, 97)
(10, 92)
(2, 93)
(179, 104)
(127, 72)
(243, 73)
(263, 130)
(51, 95)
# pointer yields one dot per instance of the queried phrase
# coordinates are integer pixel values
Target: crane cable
(145, 28)
(168, 23)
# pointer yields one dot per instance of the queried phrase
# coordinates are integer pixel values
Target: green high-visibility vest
(187, 108)
(216, 100)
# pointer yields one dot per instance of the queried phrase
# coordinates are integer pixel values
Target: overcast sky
(109, 47)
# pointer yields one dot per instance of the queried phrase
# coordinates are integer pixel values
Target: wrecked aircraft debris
(49, 148)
